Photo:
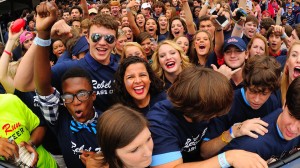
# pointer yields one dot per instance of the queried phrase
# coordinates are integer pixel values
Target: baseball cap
(26, 35)
(145, 6)
(235, 41)
(93, 10)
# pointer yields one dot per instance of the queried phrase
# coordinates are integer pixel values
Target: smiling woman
(137, 85)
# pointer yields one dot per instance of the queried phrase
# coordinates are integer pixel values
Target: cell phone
(221, 20)
(239, 14)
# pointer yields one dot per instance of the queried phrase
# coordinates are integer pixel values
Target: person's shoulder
(9, 96)
(159, 97)
(272, 117)
(65, 65)
(160, 111)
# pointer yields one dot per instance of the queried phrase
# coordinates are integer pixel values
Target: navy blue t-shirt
(154, 99)
(246, 39)
(281, 59)
(174, 137)
(71, 143)
(239, 112)
(102, 78)
(268, 145)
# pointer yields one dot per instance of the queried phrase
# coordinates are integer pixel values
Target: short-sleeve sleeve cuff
(165, 158)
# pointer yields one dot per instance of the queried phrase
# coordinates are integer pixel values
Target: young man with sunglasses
(97, 62)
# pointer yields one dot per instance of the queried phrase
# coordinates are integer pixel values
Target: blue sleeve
(165, 158)
(216, 127)
(166, 143)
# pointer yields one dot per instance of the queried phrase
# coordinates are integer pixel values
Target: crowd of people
(150, 83)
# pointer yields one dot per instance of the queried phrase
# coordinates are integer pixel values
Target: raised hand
(46, 16)
(61, 30)
(13, 35)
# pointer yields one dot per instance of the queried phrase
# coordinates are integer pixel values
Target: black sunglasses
(108, 38)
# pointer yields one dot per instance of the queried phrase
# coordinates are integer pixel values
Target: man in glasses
(97, 62)
(74, 124)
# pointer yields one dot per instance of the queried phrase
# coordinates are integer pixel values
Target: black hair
(77, 72)
(124, 97)
(293, 98)
(76, 7)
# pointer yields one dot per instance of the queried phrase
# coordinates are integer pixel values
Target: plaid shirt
(49, 106)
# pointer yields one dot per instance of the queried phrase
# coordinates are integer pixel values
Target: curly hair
(156, 85)
(155, 57)
(106, 21)
(262, 73)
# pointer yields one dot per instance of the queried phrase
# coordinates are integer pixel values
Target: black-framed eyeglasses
(108, 38)
(82, 96)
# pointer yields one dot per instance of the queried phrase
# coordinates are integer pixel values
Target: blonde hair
(285, 80)
(12, 68)
(157, 67)
(130, 44)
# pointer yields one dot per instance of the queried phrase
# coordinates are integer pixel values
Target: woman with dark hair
(196, 12)
(152, 28)
(124, 138)
(136, 85)
(137, 23)
(179, 27)
(144, 39)
(202, 50)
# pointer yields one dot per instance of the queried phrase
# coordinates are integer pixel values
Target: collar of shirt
(96, 65)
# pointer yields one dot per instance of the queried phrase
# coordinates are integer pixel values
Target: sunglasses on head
(108, 38)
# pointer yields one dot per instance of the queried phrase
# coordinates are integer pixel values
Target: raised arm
(46, 17)
(239, 26)
(84, 9)
(135, 29)
(204, 8)
(218, 35)
(6, 80)
(189, 17)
